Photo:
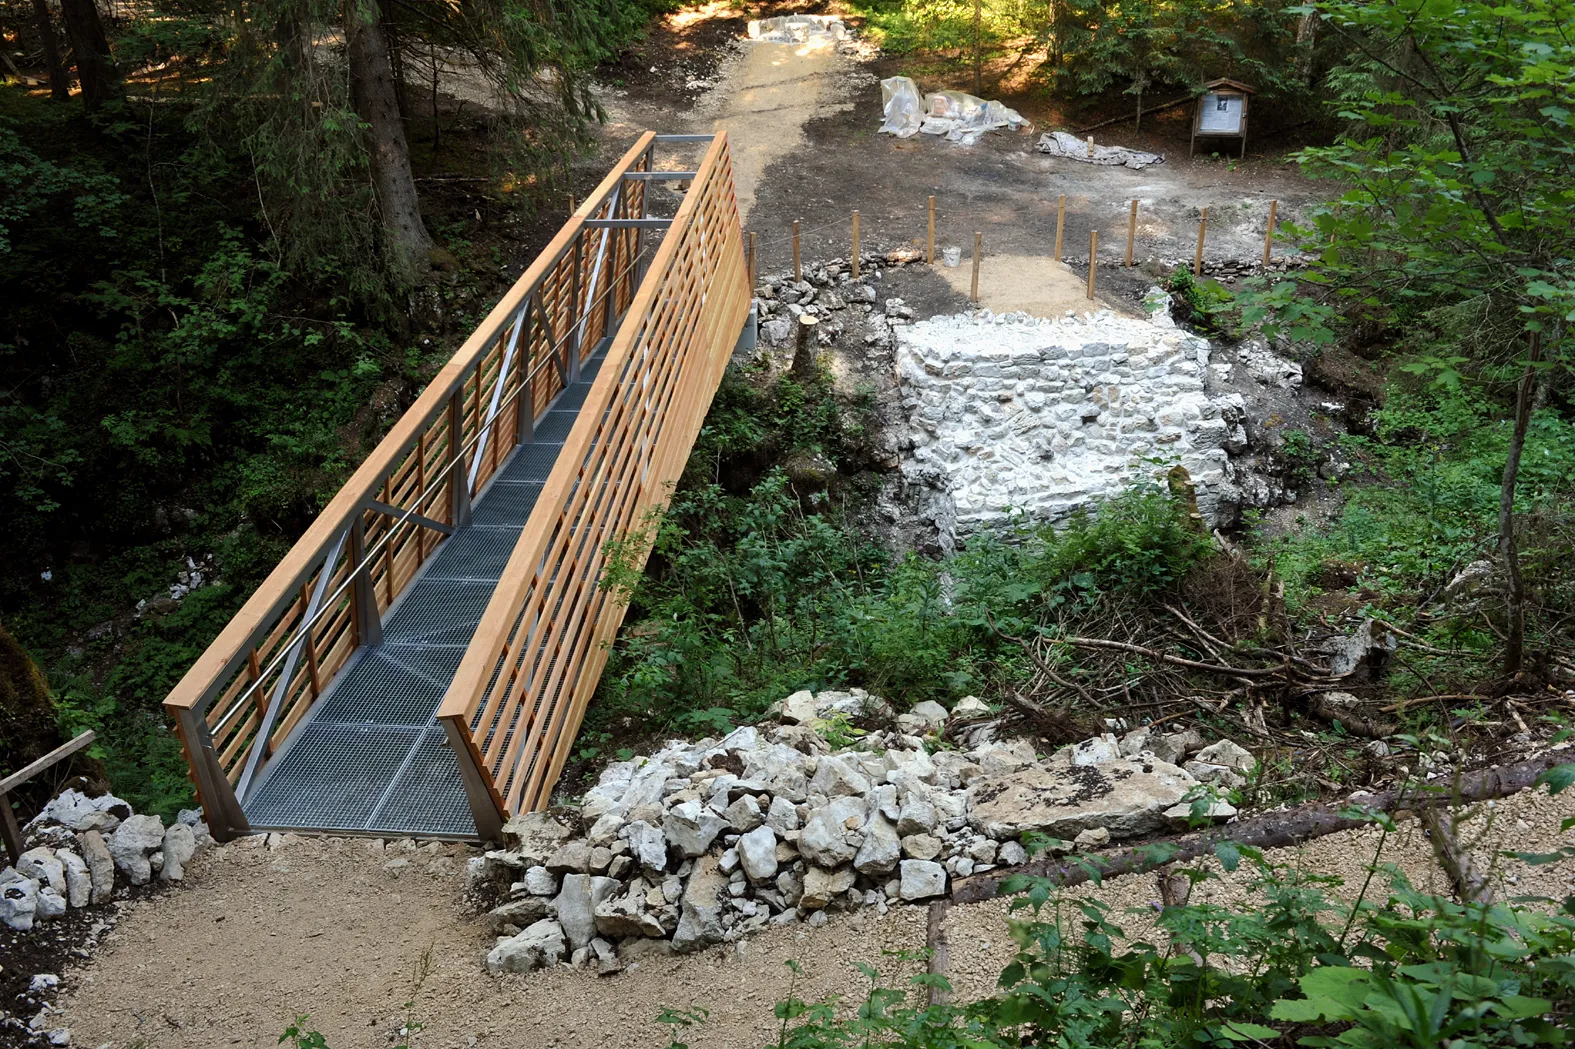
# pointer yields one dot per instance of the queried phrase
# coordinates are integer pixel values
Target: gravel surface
(325, 927)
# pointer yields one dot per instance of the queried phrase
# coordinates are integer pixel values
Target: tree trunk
(1270, 830)
(1306, 38)
(59, 88)
(96, 70)
(1514, 590)
(372, 91)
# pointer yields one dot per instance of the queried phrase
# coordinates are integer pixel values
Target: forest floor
(802, 127)
(328, 927)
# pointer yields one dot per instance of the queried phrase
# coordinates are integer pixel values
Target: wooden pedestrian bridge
(421, 660)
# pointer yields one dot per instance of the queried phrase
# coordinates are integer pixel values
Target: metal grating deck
(371, 757)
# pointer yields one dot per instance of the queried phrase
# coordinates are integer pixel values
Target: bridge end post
(220, 807)
(484, 805)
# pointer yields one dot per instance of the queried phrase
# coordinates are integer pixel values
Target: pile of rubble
(84, 852)
(705, 842)
(829, 293)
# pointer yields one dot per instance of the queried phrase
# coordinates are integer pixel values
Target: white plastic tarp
(1064, 144)
(798, 29)
(959, 116)
(899, 101)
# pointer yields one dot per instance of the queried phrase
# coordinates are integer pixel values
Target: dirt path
(768, 93)
(331, 928)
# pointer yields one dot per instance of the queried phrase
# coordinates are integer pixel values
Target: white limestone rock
(132, 845)
(180, 845)
(43, 866)
(757, 853)
(79, 883)
(921, 880)
(1126, 796)
(18, 900)
(833, 834)
(537, 947)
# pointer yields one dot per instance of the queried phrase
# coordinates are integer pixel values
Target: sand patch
(1035, 284)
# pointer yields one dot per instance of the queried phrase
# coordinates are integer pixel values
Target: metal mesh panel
(555, 425)
(439, 611)
(382, 691)
(476, 553)
(533, 462)
(428, 797)
(506, 503)
(332, 778)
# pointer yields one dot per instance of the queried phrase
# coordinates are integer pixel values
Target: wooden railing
(517, 701)
(259, 678)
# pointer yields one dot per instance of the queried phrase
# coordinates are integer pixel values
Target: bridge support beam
(484, 807)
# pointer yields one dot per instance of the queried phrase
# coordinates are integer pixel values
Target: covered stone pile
(706, 842)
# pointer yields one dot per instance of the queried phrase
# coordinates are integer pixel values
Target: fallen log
(1271, 830)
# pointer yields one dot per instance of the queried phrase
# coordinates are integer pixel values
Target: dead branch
(1470, 883)
(1271, 830)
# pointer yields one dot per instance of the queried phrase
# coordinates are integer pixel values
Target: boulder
(79, 883)
(575, 906)
(921, 847)
(648, 846)
(1095, 751)
(180, 845)
(43, 866)
(700, 913)
(133, 843)
(757, 853)
(881, 849)
(1180, 816)
(1127, 796)
(839, 775)
(821, 887)
(624, 916)
(537, 947)
(18, 900)
(1362, 653)
(691, 828)
(76, 811)
(833, 834)
(520, 913)
(101, 865)
(921, 880)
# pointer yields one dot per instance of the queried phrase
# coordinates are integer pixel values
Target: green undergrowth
(1427, 504)
(753, 593)
(1287, 963)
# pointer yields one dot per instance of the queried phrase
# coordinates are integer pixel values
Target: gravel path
(322, 926)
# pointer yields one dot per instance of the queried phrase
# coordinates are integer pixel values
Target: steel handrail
(369, 556)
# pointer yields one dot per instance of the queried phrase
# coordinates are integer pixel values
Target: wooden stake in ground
(855, 243)
(751, 262)
(804, 349)
(1268, 234)
(571, 203)
(929, 251)
(1093, 259)
(1131, 232)
(798, 270)
(1197, 256)
(978, 252)
(1060, 225)
(1090, 145)
(935, 940)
